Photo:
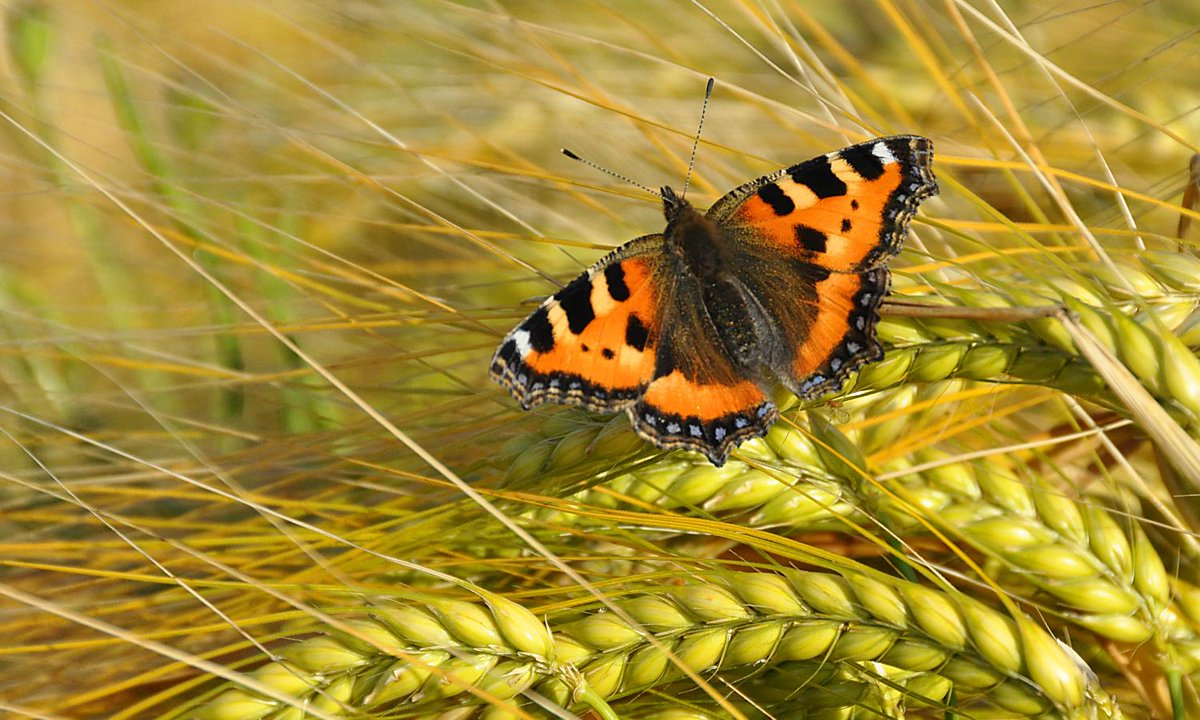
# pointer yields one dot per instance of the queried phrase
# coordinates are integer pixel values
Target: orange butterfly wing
(846, 211)
(814, 240)
(592, 343)
(702, 397)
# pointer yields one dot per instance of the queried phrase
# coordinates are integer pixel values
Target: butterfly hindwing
(710, 418)
(592, 343)
(705, 394)
(823, 322)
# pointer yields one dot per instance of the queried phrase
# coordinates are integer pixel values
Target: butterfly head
(691, 237)
(673, 205)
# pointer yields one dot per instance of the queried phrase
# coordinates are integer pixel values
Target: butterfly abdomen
(726, 307)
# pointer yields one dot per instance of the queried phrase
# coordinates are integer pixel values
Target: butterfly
(688, 330)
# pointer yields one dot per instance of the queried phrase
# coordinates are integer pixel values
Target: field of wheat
(255, 258)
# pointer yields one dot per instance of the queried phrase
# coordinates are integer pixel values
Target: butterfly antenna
(696, 143)
(606, 171)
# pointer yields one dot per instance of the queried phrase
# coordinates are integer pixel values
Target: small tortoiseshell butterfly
(781, 278)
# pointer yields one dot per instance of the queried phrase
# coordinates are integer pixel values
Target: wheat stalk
(426, 656)
(1099, 572)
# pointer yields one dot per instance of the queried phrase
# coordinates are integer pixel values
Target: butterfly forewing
(592, 343)
(846, 211)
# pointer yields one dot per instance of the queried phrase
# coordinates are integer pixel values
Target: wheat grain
(734, 620)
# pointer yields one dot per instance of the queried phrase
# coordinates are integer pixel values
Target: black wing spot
(614, 275)
(774, 196)
(814, 274)
(819, 177)
(846, 225)
(576, 301)
(508, 352)
(863, 160)
(664, 360)
(541, 332)
(811, 239)
(608, 353)
(636, 334)
(853, 204)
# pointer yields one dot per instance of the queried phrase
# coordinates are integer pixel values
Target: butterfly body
(689, 330)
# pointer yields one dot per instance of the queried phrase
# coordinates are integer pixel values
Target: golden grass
(254, 258)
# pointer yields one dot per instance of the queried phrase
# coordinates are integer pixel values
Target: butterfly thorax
(693, 239)
(714, 298)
